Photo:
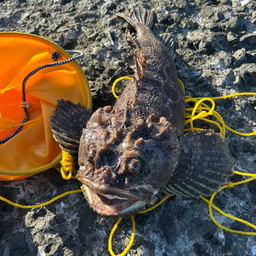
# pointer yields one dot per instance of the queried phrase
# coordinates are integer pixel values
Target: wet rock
(59, 219)
(248, 147)
(168, 226)
(18, 244)
(6, 228)
(200, 249)
(216, 241)
(208, 236)
(228, 243)
(251, 56)
(234, 149)
(205, 228)
(183, 214)
(227, 103)
(238, 251)
(252, 189)
(11, 195)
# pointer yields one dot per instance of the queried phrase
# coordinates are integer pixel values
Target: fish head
(122, 169)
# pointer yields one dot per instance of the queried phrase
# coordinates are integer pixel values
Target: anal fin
(204, 165)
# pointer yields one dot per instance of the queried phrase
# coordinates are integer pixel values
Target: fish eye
(134, 165)
(155, 119)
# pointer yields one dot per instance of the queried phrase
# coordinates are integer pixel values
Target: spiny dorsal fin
(140, 16)
(168, 41)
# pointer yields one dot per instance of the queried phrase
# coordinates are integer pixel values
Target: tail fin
(140, 16)
(203, 165)
(67, 124)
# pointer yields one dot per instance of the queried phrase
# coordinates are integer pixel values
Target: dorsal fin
(168, 41)
(140, 16)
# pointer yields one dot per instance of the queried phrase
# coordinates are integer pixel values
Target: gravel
(215, 55)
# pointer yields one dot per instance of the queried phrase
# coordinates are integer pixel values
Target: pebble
(240, 56)
(232, 37)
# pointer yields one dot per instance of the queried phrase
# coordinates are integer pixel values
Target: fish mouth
(110, 201)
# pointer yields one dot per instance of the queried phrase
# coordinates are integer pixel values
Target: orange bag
(33, 149)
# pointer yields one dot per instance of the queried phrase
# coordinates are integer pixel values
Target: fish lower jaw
(111, 205)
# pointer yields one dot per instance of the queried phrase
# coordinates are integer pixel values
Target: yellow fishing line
(182, 85)
(40, 205)
(22, 124)
(133, 229)
(198, 107)
(154, 206)
(111, 237)
(232, 95)
(59, 170)
(67, 165)
(211, 205)
(199, 111)
(116, 81)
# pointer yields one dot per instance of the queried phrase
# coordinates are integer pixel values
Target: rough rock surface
(215, 55)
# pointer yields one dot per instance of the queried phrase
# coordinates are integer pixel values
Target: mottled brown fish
(129, 152)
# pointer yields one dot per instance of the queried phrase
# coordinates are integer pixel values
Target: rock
(232, 24)
(235, 24)
(238, 251)
(245, 76)
(234, 149)
(253, 17)
(248, 147)
(180, 3)
(18, 244)
(228, 243)
(208, 236)
(240, 56)
(232, 37)
(206, 228)
(200, 249)
(251, 56)
(252, 189)
(168, 226)
(225, 57)
(248, 42)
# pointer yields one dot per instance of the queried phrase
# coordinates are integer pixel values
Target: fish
(130, 152)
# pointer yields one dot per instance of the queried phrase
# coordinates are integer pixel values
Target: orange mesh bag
(33, 149)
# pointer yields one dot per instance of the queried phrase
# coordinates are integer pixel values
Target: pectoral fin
(203, 165)
(67, 124)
